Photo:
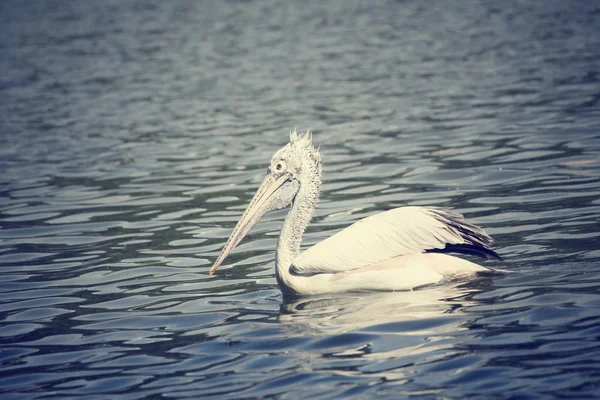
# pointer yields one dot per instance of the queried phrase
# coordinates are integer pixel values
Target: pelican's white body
(399, 273)
(385, 251)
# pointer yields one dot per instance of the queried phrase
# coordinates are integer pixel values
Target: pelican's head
(294, 167)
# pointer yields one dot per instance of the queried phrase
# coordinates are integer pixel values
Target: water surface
(132, 136)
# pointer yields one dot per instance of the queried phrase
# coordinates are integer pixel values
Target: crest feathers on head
(304, 140)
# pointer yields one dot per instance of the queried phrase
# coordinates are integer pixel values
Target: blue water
(132, 136)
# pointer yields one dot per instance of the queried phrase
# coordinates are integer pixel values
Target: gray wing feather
(396, 232)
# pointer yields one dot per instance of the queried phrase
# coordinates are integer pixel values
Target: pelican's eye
(280, 166)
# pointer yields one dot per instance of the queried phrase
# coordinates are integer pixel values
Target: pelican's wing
(400, 231)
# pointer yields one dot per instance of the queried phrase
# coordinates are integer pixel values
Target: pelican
(398, 249)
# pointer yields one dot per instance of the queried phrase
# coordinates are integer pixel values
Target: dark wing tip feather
(468, 249)
(475, 240)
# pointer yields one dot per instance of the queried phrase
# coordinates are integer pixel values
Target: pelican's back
(393, 233)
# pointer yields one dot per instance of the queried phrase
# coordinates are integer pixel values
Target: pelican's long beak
(258, 207)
